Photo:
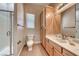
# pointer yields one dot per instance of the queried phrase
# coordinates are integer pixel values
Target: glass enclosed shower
(6, 16)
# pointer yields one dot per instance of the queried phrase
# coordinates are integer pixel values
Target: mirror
(77, 20)
(70, 22)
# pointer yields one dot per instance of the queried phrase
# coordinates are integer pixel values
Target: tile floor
(38, 50)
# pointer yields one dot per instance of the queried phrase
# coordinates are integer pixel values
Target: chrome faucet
(63, 36)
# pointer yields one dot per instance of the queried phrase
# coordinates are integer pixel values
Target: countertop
(71, 48)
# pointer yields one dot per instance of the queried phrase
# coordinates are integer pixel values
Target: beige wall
(18, 34)
(36, 31)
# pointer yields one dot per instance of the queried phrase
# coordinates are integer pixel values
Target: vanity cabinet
(67, 53)
(49, 48)
(57, 50)
(49, 23)
(57, 47)
(54, 49)
(57, 53)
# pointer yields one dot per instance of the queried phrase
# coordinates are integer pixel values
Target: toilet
(30, 41)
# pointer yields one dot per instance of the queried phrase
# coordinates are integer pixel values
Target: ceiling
(54, 4)
(34, 7)
(38, 4)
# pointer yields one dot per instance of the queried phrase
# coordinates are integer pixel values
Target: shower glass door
(5, 29)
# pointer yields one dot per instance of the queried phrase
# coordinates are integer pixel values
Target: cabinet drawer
(67, 53)
(56, 46)
(57, 53)
(49, 49)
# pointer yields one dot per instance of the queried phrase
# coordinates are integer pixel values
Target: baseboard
(20, 50)
(37, 42)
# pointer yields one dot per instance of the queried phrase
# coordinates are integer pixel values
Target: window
(30, 20)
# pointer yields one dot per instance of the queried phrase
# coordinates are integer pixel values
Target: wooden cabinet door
(42, 26)
(49, 48)
(49, 20)
(53, 24)
(67, 53)
(43, 29)
(57, 53)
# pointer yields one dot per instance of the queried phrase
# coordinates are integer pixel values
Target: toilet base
(30, 49)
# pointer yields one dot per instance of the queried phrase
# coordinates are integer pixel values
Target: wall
(36, 31)
(18, 34)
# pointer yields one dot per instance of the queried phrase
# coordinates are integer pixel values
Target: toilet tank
(30, 36)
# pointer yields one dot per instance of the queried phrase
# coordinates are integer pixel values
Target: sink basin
(76, 41)
(61, 40)
(72, 44)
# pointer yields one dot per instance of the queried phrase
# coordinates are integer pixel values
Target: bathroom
(39, 29)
